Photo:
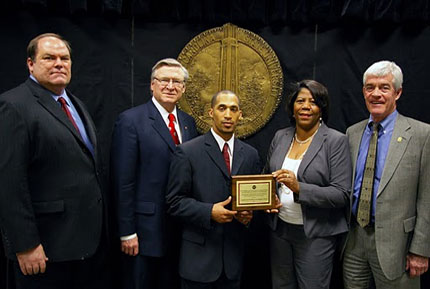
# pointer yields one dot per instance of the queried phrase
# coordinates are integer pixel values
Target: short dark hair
(32, 45)
(225, 91)
(319, 93)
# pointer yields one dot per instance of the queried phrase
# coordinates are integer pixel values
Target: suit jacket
(402, 217)
(324, 177)
(198, 179)
(50, 187)
(141, 151)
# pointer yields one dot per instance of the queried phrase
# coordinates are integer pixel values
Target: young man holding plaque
(199, 188)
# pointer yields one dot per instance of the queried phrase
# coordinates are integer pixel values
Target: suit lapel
(215, 154)
(159, 125)
(354, 138)
(184, 125)
(284, 146)
(314, 147)
(238, 157)
(47, 101)
(86, 119)
(398, 144)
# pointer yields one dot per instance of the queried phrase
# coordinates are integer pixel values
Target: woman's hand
(287, 178)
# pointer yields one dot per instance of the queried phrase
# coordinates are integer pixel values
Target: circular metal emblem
(236, 59)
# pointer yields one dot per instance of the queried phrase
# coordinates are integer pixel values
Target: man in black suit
(51, 205)
(198, 192)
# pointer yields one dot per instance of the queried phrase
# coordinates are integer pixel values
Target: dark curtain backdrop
(115, 43)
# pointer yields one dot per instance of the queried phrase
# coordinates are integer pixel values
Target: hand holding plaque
(253, 192)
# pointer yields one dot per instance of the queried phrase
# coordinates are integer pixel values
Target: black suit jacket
(50, 188)
(198, 178)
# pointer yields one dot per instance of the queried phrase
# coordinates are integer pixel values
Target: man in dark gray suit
(51, 204)
(199, 185)
(391, 241)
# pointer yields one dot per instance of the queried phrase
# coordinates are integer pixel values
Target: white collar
(164, 113)
(220, 141)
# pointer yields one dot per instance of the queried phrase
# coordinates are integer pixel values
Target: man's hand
(130, 247)
(32, 261)
(244, 217)
(417, 265)
(220, 214)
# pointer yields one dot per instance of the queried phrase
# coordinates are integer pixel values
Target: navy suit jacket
(324, 177)
(50, 182)
(141, 151)
(198, 179)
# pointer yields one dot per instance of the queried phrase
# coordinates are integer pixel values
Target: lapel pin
(399, 139)
(185, 127)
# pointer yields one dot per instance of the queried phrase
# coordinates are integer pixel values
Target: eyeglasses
(166, 81)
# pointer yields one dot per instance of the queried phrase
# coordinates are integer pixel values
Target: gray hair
(169, 62)
(383, 68)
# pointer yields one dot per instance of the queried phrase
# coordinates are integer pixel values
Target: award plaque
(253, 192)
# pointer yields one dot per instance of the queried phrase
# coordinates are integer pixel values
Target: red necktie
(67, 111)
(226, 156)
(172, 128)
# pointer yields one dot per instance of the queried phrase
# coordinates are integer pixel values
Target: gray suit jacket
(324, 176)
(402, 219)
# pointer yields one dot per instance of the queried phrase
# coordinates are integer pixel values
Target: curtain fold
(258, 12)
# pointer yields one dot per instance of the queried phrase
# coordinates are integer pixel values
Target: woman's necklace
(300, 142)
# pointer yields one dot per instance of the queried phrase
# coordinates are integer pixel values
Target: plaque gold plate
(253, 192)
(236, 59)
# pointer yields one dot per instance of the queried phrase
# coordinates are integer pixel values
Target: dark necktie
(226, 156)
(67, 111)
(172, 129)
(365, 202)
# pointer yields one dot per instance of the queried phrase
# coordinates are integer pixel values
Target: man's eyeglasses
(166, 81)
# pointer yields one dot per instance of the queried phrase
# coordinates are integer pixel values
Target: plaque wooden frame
(246, 192)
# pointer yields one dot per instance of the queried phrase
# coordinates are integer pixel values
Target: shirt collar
(164, 113)
(63, 95)
(56, 97)
(387, 123)
(220, 141)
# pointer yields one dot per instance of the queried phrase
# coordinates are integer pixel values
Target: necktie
(172, 129)
(365, 202)
(226, 156)
(67, 111)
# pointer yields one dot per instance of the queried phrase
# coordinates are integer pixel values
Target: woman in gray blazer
(312, 166)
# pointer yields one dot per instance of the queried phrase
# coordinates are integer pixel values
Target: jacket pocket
(146, 208)
(48, 207)
(409, 224)
(193, 237)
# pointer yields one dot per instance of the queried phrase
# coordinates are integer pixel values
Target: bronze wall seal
(236, 59)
